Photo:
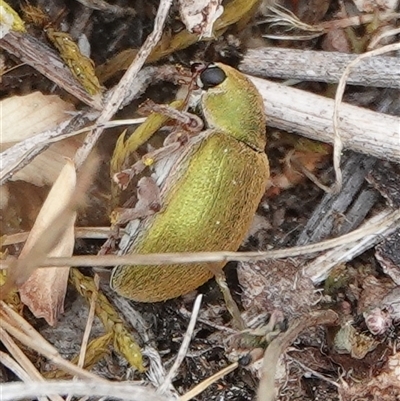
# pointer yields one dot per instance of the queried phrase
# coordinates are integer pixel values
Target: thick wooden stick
(309, 65)
(45, 60)
(310, 115)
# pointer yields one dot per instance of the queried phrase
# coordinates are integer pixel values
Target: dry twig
(319, 269)
(386, 222)
(124, 391)
(118, 94)
(266, 389)
(80, 232)
(183, 348)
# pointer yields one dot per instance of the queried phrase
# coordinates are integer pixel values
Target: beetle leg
(110, 244)
(188, 121)
(230, 303)
(276, 324)
(122, 178)
(148, 203)
(247, 346)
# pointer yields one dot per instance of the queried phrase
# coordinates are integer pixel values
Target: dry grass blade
(357, 20)
(25, 368)
(88, 328)
(383, 35)
(183, 348)
(320, 268)
(23, 268)
(124, 391)
(20, 329)
(89, 322)
(208, 382)
(346, 73)
(10, 364)
(80, 232)
(45, 290)
(337, 138)
(389, 220)
(29, 369)
(284, 18)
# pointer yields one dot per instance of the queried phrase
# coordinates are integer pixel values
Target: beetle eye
(212, 76)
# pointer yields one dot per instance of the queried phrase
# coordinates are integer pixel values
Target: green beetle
(209, 191)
